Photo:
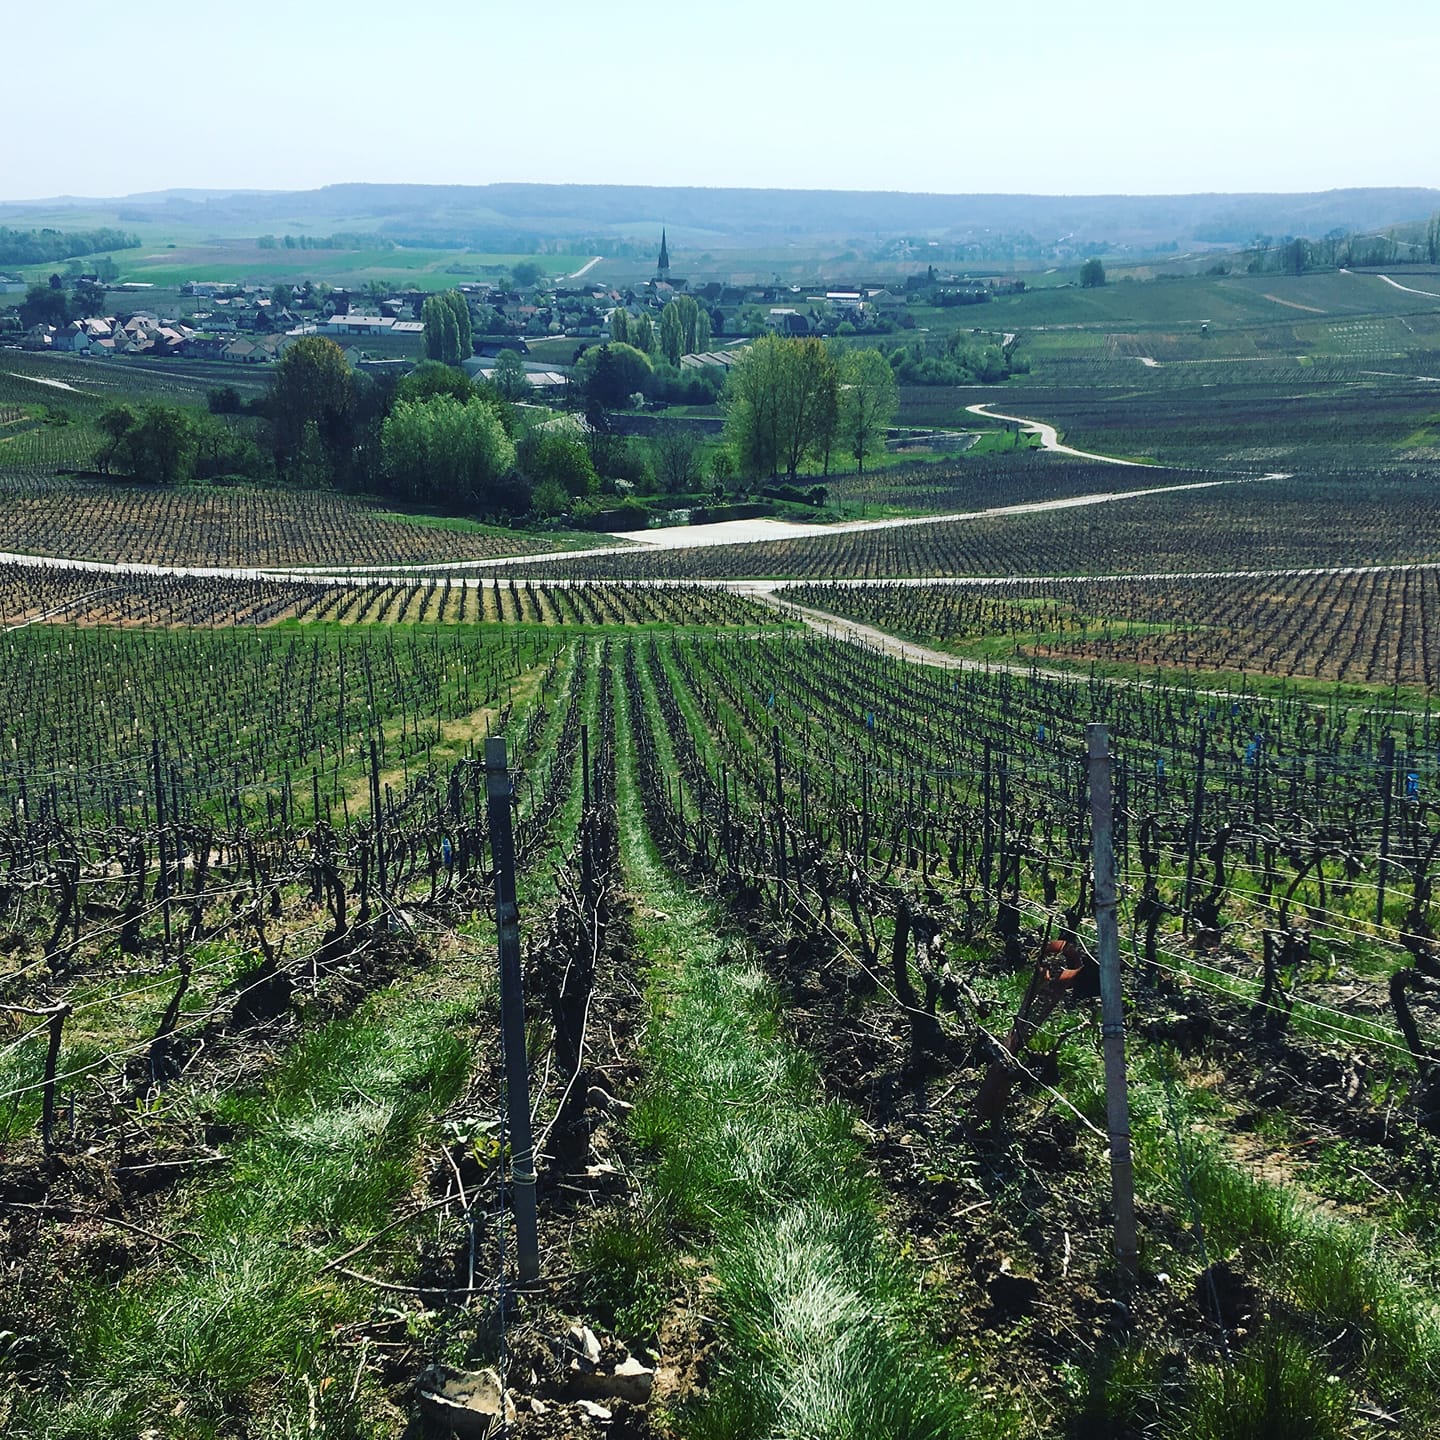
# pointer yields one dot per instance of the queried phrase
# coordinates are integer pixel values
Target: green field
(235, 262)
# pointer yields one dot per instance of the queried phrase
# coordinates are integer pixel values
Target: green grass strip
(826, 1338)
(241, 1322)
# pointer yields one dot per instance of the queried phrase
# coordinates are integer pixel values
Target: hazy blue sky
(106, 97)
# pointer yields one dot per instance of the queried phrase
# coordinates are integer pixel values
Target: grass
(1334, 1317)
(242, 1323)
(1279, 1390)
(824, 1335)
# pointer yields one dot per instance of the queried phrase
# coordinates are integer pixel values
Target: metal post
(1387, 761)
(498, 792)
(1112, 1008)
(780, 826)
(987, 840)
(1197, 810)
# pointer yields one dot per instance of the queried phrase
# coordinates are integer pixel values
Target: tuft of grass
(822, 1341)
(826, 1338)
(1278, 1389)
(629, 1265)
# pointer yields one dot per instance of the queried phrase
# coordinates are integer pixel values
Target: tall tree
(157, 445)
(312, 385)
(509, 377)
(672, 334)
(447, 451)
(448, 334)
(869, 398)
(115, 423)
(642, 333)
(434, 329)
(675, 450)
(555, 459)
(620, 325)
(464, 333)
(781, 404)
(611, 374)
(44, 305)
(1092, 273)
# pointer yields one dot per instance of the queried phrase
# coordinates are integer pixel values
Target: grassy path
(240, 1319)
(824, 1336)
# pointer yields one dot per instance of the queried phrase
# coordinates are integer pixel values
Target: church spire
(662, 265)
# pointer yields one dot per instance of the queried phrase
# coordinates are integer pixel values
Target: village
(252, 322)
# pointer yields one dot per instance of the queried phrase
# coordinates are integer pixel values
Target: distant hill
(723, 218)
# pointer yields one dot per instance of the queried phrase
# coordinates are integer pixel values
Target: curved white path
(1408, 289)
(1050, 438)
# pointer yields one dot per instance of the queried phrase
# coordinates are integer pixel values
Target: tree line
(433, 438)
(437, 438)
(41, 247)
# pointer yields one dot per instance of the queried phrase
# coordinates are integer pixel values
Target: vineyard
(1378, 627)
(1285, 523)
(31, 593)
(89, 519)
(596, 995)
(1320, 417)
(1007, 477)
(215, 918)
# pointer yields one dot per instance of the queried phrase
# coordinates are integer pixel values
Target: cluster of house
(149, 335)
(139, 335)
(859, 306)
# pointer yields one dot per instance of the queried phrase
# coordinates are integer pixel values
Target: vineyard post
(1112, 1008)
(779, 813)
(377, 817)
(1196, 814)
(587, 866)
(498, 792)
(987, 845)
(1387, 763)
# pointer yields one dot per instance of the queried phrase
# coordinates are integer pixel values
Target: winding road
(1050, 438)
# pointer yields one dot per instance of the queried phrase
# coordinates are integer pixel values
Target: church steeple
(662, 265)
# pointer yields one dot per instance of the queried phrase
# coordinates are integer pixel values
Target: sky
(1039, 96)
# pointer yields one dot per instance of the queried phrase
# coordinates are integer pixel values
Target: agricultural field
(837, 855)
(52, 503)
(86, 518)
(237, 262)
(1246, 524)
(1371, 627)
(814, 1074)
